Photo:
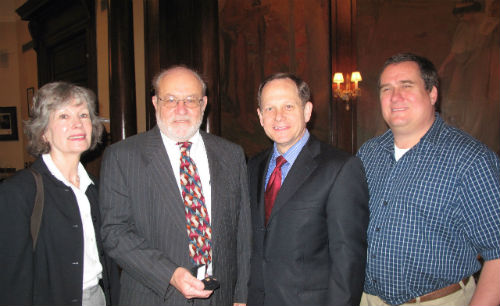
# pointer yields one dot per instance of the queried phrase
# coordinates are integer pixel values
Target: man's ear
(204, 103)
(259, 113)
(433, 95)
(308, 108)
(155, 101)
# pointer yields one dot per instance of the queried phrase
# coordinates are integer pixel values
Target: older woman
(67, 266)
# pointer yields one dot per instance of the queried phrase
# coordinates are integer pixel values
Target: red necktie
(273, 186)
(197, 219)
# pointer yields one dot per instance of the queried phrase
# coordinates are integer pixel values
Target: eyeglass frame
(175, 102)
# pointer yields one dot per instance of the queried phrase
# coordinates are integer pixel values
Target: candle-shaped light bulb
(338, 78)
(356, 77)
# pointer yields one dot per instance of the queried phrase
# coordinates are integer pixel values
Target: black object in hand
(211, 283)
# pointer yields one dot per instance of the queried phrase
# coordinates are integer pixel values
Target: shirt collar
(291, 154)
(386, 141)
(85, 180)
(195, 140)
(432, 136)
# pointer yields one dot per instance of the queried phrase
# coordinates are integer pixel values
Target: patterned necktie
(273, 186)
(197, 218)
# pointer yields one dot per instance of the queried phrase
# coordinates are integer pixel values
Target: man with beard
(175, 205)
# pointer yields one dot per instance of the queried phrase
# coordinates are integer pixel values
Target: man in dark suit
(309, 210)
(151, 221)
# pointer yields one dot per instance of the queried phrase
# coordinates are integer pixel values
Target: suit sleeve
(121, 240)
(347, 225)
(16, 251)
(244, 236)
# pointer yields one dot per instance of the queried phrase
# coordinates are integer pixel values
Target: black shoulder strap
(36, 215)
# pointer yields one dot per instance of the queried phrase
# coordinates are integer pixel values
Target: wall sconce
(346, 94)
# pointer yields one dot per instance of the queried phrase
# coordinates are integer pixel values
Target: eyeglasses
(189, 102)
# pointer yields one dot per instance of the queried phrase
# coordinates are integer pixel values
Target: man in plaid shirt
(434, 200)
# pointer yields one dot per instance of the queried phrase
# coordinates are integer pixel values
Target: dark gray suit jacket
(144, 225)
(313, 249)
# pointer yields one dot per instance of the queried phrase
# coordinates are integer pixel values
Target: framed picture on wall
(8, 123)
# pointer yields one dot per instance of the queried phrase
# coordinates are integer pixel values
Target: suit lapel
(163, 178)
(261, 185)
(216, 169)
(302, 168)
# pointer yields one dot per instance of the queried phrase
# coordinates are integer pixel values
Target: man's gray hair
(157, 78)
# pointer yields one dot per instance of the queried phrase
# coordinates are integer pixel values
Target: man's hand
(188, 285)
(487, 288)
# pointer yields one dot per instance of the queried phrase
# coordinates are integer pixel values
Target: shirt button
(377, 229)
(385, 203)
(74, 300)
(75, 225)
(75, 263)
(373, 256)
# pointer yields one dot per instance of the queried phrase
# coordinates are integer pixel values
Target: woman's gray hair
(51, 97)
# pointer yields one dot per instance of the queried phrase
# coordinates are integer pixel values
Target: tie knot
(185, 145)
(280, 161)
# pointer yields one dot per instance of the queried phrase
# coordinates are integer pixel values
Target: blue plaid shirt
(431, 213)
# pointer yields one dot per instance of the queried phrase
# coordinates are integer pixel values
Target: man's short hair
(427, 70)
(303, 90)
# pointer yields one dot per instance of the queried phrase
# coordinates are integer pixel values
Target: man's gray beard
(170, 134)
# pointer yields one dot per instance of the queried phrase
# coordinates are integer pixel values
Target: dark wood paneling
(235, 46)
(122, 107)
(182, 32)
(210, 62)
(152, 33)
(63, 33)
(68, 59)
(343, 60)
(259, 38)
